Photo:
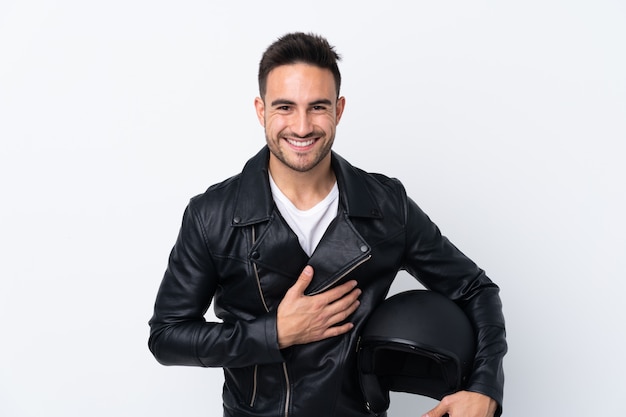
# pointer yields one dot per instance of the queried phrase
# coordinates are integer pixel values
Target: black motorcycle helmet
(418, 342)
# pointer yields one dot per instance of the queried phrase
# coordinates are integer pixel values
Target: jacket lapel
(340, 251)
(255, 204)
(278, 249)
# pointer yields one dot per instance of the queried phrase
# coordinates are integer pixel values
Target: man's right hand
(308, 318)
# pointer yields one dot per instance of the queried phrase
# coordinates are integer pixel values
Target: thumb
(305, 278)
(438, 411)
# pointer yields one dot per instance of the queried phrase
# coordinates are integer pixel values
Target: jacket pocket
(240, 385)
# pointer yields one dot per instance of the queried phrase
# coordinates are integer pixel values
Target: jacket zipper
(256, 274)
(288, 394)
(254, 383)
(340, 277)
(258, 281)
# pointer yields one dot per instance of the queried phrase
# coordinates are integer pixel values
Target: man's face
(300, 113)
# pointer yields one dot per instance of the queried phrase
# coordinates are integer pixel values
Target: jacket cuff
(489, 392)
(271, 337)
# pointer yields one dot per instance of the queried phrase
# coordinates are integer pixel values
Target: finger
(344, 302)
(334, 294)
(337, 330)
(438, 411)
(344, 313)
(303, 281)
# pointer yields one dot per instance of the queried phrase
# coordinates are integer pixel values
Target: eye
(319, 108)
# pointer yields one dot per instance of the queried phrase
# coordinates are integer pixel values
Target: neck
(303, 189)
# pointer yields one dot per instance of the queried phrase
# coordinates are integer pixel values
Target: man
(297, 251)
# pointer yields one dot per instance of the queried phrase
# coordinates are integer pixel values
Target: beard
(300, 162)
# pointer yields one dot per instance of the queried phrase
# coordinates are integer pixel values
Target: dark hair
(299, 47)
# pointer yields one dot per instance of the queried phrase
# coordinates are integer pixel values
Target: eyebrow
(282, 102)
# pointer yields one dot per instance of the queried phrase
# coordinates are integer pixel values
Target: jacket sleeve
(179, 333)
(441, 267)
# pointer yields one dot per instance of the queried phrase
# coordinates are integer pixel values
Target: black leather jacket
(234, 248)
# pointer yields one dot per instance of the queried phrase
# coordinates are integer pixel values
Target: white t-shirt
(309, 225)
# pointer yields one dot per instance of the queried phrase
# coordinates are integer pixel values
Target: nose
(302, 124)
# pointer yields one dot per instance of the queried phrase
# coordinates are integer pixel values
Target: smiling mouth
(300, 143)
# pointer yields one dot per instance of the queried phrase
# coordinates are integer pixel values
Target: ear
(341, 104)
(259, 105)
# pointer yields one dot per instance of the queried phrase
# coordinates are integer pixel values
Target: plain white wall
(505, 120)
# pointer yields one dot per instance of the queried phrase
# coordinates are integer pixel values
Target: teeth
(300, 143)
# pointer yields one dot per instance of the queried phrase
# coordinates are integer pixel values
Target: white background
(505, 120)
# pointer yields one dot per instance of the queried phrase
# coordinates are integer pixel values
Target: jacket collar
(255, 203)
